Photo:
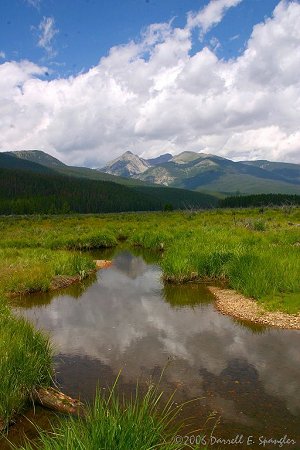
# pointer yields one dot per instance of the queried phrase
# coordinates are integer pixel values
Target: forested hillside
(24, 192)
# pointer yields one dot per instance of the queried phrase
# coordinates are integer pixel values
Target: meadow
(256, 252)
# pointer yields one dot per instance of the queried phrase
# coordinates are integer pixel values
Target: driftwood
(57, 401)
(102, 263)
(52, 399)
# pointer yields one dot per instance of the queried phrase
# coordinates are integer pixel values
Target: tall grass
(29, 270)
(25, 362)
(113, 423)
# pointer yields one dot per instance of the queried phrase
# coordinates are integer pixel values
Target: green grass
(25, 362)
(31, 270)
(112, 423)
(289, 303)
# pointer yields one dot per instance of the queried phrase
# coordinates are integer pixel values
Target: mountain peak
(185, 157)
(126, 165)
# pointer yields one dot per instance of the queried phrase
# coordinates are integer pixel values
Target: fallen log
(52, 399)
(102, 263)
(57, 401)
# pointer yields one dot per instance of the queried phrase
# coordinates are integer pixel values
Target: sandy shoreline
(236, 305)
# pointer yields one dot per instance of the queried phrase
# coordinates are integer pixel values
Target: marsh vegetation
(256, 253)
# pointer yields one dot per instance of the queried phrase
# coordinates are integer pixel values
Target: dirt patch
(236, 305)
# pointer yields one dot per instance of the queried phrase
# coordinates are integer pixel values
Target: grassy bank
(25, 354)
(32, 270)
(25, 362)
(142, 423)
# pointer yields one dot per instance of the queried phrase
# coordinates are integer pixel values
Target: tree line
(259, 200)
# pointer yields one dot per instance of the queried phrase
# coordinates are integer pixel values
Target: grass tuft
(144, 422)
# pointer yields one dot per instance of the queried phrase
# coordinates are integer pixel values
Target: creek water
(246, 379)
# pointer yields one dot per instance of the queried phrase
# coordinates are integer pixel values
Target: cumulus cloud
(47, 32)
(210, 15)
(155, 95)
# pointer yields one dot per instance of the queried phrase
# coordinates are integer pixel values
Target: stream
(245, 379)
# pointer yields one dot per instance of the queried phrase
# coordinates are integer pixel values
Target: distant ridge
(209, 173)
(39, 157)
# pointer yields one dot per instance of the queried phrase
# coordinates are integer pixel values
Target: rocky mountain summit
(208, 172)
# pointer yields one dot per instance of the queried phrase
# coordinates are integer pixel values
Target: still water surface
(247, 378)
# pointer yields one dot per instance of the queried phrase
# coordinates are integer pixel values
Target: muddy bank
(236, 305)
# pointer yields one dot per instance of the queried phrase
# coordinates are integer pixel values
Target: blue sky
(87, 29)
(86, 80)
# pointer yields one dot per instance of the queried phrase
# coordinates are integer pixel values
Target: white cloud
(2, 54)
(210, 15)
(34, 3)
(47, 32)
(153, 96)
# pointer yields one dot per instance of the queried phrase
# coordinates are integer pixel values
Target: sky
(86, 80)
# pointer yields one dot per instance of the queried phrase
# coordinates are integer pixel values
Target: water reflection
(127, 319)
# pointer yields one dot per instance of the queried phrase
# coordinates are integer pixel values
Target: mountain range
(34, 182)
(208, 173)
